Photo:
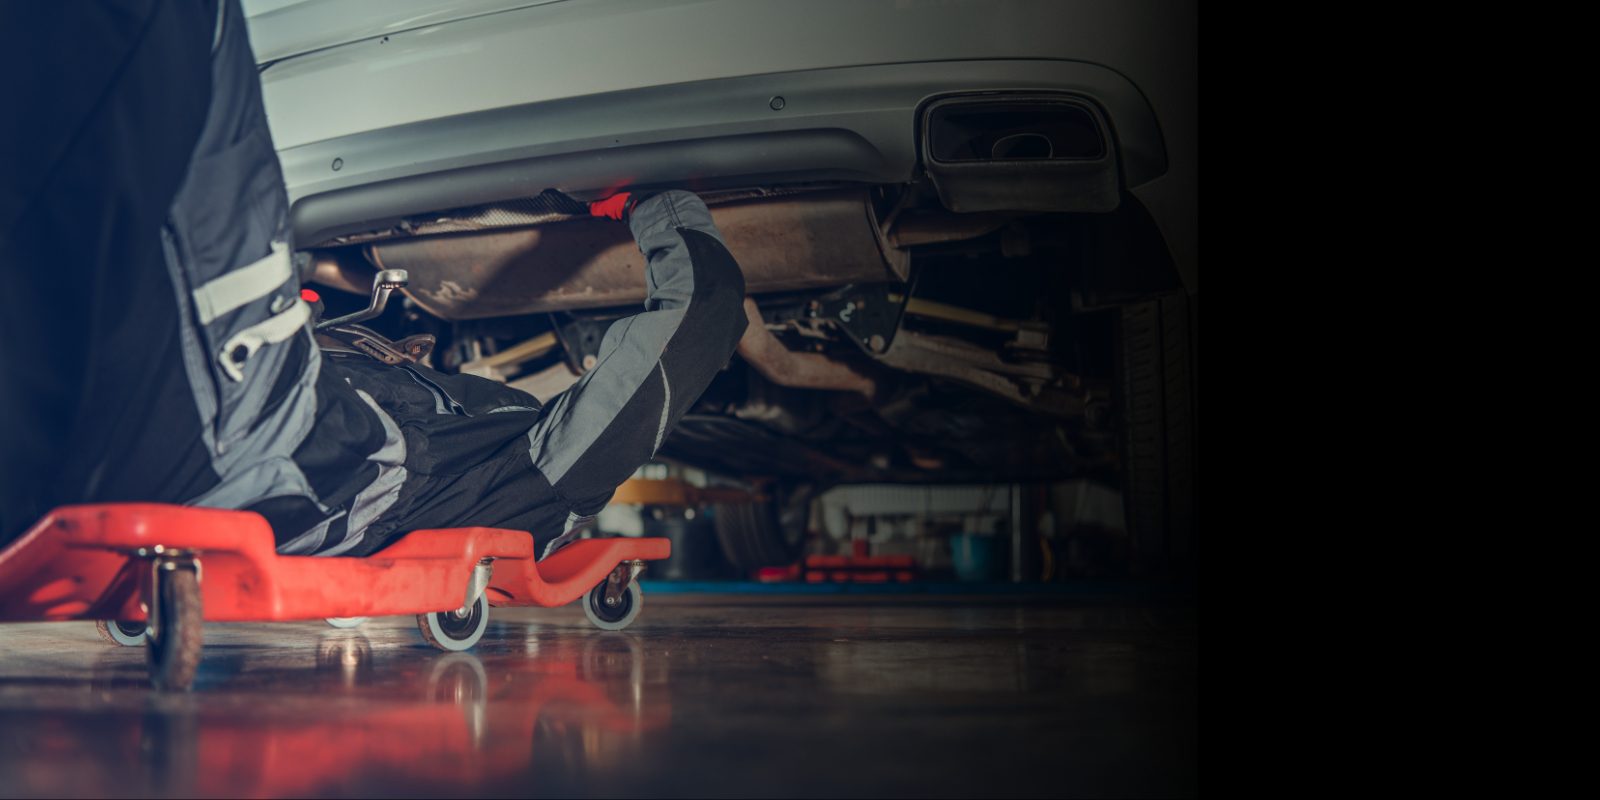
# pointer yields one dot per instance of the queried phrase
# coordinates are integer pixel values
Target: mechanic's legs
(95, 403)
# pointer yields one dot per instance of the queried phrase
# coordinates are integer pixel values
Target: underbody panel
(856, 124)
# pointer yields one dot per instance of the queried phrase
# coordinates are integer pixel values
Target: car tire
(766, 534)
(1156, 365)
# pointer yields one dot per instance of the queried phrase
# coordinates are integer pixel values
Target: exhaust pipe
(785, 367)
(787, 243)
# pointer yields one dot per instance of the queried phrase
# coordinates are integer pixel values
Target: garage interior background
(935, 527)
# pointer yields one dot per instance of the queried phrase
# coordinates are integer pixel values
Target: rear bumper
(853, 124)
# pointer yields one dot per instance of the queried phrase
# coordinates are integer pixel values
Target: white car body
(360, 81)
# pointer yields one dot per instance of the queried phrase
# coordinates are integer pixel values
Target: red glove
(615, 206)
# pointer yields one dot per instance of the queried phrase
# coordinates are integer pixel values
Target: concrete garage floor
(720, 695)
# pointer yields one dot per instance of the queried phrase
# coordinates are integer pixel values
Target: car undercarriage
(959, 254)
(891, 340)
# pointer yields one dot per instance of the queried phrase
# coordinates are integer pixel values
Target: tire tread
(1156, 363)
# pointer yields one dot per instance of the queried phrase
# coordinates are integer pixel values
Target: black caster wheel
(451, 631)
(176, 638)
(126, 634)
(617, 616)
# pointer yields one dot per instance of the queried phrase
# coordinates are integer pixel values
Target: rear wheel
(174, 645)
(126, 634)
(1156, 372)
(768, 534)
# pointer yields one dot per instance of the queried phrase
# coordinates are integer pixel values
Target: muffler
(786, 243)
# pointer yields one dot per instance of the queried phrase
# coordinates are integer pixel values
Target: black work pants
(100, 110)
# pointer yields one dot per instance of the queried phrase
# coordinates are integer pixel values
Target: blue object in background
(973, 555)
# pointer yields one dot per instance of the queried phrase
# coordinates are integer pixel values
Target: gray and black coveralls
(156, 347)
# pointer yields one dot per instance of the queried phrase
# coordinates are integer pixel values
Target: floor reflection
(414, 724)
(709, 697)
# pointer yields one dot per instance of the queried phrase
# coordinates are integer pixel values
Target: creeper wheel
(127, 634)
(175, 641)
(451, 632)
(614, 617)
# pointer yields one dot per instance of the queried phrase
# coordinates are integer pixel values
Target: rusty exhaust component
(331, 271)
(931, 227)
(785, 367)
(785, 243)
